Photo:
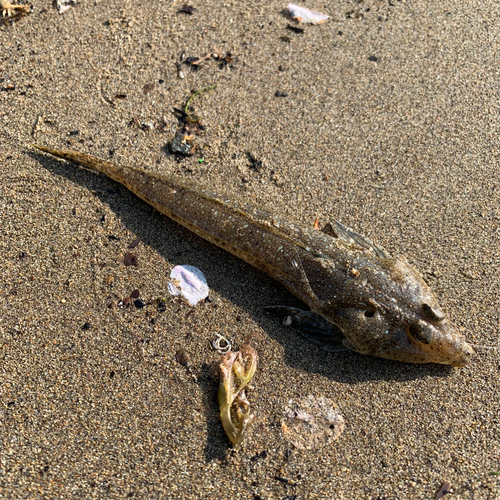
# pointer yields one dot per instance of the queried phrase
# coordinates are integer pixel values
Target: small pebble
(130, 259)
(180, 144)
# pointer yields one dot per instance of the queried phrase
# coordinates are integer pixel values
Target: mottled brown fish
(360, 297)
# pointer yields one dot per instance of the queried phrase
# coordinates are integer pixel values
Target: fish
(359, 296)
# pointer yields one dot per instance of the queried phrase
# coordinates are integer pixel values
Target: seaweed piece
(193, 118)
(237, 370)
(12, 11)
(190, 125)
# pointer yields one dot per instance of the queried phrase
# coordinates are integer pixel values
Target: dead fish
(361, 298)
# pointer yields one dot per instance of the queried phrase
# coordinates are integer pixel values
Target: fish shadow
(246, 287)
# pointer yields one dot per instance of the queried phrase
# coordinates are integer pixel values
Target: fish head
(418, 340)
(400, 319)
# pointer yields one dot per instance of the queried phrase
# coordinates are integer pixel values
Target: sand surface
(390, 124)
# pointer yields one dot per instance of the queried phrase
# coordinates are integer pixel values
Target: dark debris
(130, 259)
(255, 164)
(285, 480)
(148, 88)
(139, 303)
(295, 29)
(187, 9)
(135, 243)
(182, 357)
(180, 143)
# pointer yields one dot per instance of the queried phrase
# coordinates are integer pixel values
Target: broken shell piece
(303, 15)
(312, 423)
(237, 370)
(221, 344)
(64, 5)
(189, 283)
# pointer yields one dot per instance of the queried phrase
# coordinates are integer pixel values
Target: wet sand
(389, 123)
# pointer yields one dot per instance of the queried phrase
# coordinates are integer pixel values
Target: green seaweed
(237, 370)
(194, 118)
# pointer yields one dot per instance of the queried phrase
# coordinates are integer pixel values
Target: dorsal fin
(338, 230)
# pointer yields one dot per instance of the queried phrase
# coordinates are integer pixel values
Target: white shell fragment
(221, 344)
(304, 15)
(311, 423)
(64, 5)
(189, 283)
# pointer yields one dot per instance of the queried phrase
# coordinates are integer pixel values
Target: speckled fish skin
(381, 303)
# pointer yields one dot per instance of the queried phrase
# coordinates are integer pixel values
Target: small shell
(189, 283)
(64, 5)
(304, 15)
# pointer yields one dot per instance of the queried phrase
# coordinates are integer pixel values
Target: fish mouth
(441, 344)
(458, 353)
(463, 356)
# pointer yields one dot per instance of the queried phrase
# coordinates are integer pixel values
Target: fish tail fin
(85, 160)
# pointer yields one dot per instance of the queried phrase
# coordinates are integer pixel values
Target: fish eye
(420, 334)
(369, 313)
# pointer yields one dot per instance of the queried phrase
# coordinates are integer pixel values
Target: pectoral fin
(311, 326)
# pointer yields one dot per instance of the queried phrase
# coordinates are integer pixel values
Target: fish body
(361, 298)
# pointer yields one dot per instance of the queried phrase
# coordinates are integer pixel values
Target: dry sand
(404, 149)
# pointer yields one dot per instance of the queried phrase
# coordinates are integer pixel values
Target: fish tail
(85, 160)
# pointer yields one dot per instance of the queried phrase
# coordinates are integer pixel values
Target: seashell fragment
(189, 283)
(312, 423)
(64, 5)
(303, 15)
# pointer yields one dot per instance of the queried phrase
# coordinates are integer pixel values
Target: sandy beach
(385, 118)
